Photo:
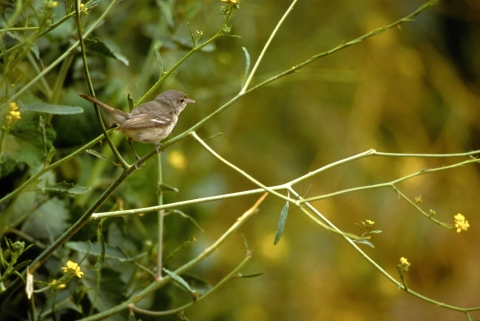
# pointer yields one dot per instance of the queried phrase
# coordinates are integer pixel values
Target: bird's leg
(136, 155)
(158, 147)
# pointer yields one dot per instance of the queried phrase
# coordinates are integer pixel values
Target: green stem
(391, 183)
(160, 217)
(267, 44)
(160, 283)
(347, 44)
(92, 91)
(34, 177)
(62, 57)
(228, 277)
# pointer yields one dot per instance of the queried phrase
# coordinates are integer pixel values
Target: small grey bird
(149, 122)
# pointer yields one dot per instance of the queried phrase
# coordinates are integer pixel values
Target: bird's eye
(182, 100)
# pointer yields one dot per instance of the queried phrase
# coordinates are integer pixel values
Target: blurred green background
(413, 89)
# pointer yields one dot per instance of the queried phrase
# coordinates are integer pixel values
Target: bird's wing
(142, 120)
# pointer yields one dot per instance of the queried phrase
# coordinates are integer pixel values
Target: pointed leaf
(254, 275)
(363, 241)
(189, 219)
(177, 278)
(281, 223)
(167, 188)
(98, 155)
(247, 65)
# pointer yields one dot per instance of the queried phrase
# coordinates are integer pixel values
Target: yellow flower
(231, 1)
(369, 222)
(73, 268)
(404, 261)
(58, 284)
(461, 223)
(13, 115)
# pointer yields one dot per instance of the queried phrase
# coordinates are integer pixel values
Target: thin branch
(158, 284)
(267, 44)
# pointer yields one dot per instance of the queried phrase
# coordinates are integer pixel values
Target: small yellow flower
(404, 261)
(73, 268)
(231, 1)
(369, 222)
(58, 284)
(461, 223)
(13, 115)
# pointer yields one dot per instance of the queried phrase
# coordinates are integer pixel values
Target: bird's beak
(189, 101)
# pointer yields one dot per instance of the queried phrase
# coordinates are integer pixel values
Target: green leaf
(363, 241)
(111, 291)
(182, 283)
(24, 143)
(68, 188)
(166, 9)
(101, 259)
(48, 221)
(51, 109)
(95, 45)
(281, 223)
(160, 60)
(197, 283)
(167, 188)
(185, 244)
(188, 219)
(254, 275)
(98, 155)
(247, 65)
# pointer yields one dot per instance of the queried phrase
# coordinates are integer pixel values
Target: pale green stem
(267, 44)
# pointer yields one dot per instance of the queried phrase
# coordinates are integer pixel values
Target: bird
(149, 122)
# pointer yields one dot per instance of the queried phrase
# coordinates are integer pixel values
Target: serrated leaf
(51, 109)
(177, 278)
(281, 223)
(68, 188)
(95, 45)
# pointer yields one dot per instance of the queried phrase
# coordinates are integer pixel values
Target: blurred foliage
(413, 89)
